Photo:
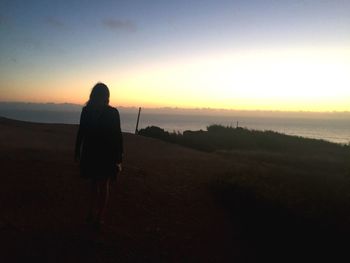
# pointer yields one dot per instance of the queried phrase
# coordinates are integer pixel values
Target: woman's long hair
(99, 96)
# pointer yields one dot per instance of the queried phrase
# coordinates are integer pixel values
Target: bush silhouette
(218, 137)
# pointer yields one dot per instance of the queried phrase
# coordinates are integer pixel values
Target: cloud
(119, 25)
(54, 22)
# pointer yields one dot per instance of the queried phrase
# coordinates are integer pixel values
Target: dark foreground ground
(164, 207)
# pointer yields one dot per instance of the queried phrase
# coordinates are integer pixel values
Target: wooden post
(137, 123)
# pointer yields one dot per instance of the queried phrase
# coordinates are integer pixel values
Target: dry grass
(291, 196)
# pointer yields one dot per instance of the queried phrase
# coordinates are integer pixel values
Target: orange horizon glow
(289, 79)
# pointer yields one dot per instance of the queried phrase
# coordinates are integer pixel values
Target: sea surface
(327, 128)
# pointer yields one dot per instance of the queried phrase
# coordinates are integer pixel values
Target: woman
(99, 149)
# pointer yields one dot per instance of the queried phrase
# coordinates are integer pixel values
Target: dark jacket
(99, 143)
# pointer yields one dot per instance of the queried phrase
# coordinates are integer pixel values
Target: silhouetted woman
(99, 148)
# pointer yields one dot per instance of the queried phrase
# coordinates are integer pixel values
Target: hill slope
(170, 203)
(161, 208)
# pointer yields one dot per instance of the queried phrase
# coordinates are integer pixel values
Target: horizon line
(189, 109)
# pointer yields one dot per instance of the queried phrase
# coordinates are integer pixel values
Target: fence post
(137, 123)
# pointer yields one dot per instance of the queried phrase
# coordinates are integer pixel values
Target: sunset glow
(235, 63)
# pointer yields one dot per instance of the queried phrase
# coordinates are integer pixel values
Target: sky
(262, 54)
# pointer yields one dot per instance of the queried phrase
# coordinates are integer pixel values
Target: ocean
(330, 127)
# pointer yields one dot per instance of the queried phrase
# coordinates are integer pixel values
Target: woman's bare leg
(103, 195)
(93, 202)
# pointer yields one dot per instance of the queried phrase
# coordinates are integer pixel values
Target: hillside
(171, 203)
(161, 207)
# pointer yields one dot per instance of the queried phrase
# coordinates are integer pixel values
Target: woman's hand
(120, 167)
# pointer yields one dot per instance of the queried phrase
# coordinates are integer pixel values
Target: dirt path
(162, 208)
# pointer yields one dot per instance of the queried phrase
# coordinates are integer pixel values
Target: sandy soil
(162, 208)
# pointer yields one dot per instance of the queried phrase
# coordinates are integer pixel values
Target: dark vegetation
(218, 137)
(291, 195)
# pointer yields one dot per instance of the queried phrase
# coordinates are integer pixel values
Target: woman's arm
(120, 148)
(80, 135)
